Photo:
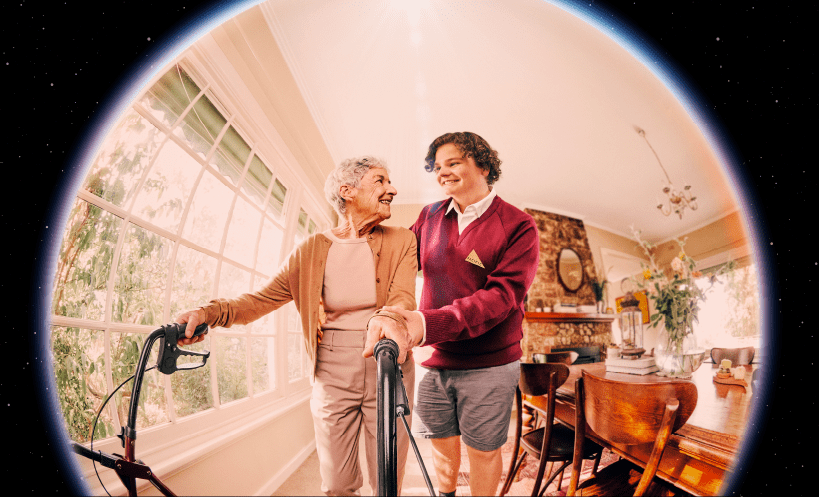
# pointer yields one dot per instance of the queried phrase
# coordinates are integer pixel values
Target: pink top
(349, 284)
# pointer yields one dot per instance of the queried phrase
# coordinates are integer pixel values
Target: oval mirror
(569, 269)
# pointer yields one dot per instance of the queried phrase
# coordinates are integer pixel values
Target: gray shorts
(473, 403)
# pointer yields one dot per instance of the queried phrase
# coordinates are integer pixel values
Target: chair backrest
(536, 380)
(739, 356)
(631, 413)
(566, 358)
(534, 377)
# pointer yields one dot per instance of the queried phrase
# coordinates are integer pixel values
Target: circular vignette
(210, 16)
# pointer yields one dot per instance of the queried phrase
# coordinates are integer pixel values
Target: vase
(677, 358)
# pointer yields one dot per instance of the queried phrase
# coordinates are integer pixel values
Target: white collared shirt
(472, 212)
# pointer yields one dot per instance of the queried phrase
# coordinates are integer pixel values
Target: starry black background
(752, 63)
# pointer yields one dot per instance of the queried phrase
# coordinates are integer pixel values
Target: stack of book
(641, 366)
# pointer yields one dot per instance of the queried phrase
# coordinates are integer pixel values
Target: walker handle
(169, 349)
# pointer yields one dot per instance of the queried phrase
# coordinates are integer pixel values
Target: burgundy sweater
(473, 314)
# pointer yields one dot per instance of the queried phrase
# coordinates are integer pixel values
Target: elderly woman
(339, 280)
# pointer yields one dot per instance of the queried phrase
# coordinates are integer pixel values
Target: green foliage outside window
(191, 389)
(84, 262)
(142, 171)
(743, 297)
(231, 354)
(79, 373)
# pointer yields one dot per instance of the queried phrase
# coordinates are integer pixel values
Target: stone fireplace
(543, 331)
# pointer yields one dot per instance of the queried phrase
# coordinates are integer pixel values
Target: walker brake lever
(169, 349)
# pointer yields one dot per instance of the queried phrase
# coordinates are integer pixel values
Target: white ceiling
(558, 99)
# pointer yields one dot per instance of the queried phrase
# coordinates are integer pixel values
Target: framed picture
(642, 300)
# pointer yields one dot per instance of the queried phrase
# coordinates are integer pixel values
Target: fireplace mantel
(569, 317)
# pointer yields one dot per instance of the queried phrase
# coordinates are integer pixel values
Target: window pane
(270, 244)
(124, 158)
(84, 263)
(729, 317)
(311, 228)
(240, 244)
(201, 126)
(263, 364)
(231, 369)
(302, 221)
(742, 292)
(166, 191)
(301, 229)
(233, 281)
(208, 213)
(257, 180)
(295, 343)
(193, 280)
(275, 205)
(169, 97)
(306, 365)
(125, 350)
(142, 273)
(231, 156)
(293, 357)
(191, 389)
(79, 371)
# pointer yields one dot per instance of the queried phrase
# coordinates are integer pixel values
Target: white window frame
(182, 440)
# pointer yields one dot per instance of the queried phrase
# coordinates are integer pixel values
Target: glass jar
(678, 358)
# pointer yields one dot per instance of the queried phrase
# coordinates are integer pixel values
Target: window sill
(172, 447)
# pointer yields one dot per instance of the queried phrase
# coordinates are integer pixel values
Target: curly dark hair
(471, 145)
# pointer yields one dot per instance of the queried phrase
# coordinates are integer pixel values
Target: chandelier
(677, 200)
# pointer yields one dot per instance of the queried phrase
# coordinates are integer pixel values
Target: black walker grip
(169, 350)
(388, 346)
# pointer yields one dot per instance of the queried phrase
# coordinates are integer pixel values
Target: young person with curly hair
(479, 256)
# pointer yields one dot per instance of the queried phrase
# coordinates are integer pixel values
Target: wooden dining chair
(739, 357)
(566, 358)
(629, 413)
(552, 442)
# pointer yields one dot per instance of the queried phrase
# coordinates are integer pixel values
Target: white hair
(349, 172)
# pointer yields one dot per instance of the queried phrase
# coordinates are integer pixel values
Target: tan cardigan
(301, 279)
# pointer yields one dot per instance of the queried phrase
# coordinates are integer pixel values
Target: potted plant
(676, 298)
(598, 284)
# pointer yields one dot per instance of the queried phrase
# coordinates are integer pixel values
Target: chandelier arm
(677, 200)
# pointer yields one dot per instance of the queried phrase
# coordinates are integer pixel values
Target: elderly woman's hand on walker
(193, 318)
(388, 325)
(404, 327)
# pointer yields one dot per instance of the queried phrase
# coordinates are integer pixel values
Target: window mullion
(109, 381)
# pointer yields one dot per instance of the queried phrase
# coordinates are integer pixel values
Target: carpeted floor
(525, 479)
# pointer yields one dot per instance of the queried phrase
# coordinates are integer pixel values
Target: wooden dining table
(700, 454)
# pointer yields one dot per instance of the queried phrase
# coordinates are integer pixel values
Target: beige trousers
(343, 404)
